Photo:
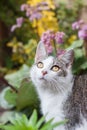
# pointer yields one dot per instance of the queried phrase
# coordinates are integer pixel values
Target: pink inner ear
(38, 58)
(40, 52)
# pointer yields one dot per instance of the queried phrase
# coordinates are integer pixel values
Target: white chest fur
(51, 105)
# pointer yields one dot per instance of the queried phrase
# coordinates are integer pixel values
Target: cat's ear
(41, 52)
(68, 57)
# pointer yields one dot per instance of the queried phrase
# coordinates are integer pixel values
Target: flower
(47, 37)
(18, 24)
(34, 12)
(35, 15)
(72, 38)
(83, 33)
(49, 48)
(19, 21)
(76, 25)
(13, 28)
(24, 7)
(59, 37)
(82, 29)
(50, 37)
(60, 52)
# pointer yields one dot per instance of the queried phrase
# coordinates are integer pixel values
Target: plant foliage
(21, 122)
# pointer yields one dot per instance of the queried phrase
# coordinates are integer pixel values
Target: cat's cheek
(52, 74)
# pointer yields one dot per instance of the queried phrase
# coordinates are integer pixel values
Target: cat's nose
(44, 72)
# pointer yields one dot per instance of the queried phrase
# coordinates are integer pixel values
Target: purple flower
(28, 12)
(84, 27)
(18, 24)
(34, 12)
(59, 37)
(60, 52)
(81, 22)
(19, 21)
(13, 28)
(76, 25)
(24, 7)
(42, 6)
(49, 48)
(83, 33)
(36, 15)
(47, 37)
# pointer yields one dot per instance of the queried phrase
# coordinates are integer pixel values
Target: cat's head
(51, 72)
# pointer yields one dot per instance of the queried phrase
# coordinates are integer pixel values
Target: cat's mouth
(42, 78)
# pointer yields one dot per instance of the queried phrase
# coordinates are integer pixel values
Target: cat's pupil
(55, 68)
(40, 65)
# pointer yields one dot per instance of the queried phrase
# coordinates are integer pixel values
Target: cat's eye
(55, 68)
(40, 65)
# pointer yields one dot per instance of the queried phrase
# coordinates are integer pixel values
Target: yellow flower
(48, 21)
(35, 2)
(72, 38)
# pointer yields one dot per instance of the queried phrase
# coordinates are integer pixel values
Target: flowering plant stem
(55, 47)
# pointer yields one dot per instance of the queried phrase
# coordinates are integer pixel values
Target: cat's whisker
(61, 89)
(54, 85)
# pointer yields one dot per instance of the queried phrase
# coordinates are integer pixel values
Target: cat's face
(49, 70)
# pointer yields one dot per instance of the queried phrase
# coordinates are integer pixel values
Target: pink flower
(19, 21)
(60, 52)
(24, 7)
(13, 28)
(49, 36)
(34, 12)
(18, 24)
(49, 48)
(83, 33)
(35, 15)
(42, 6)
(59, 37)
(76, 25)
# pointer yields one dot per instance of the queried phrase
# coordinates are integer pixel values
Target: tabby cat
(62, 95)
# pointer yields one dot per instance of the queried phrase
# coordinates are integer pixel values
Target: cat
(62, 95)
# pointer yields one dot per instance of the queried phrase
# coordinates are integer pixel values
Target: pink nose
(44, 72)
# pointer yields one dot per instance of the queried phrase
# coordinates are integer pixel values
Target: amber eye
(55, 68)
(40, 65)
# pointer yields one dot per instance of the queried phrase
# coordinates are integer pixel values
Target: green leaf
(39, 123)
(79, 65)
(10, 97)
(84, 65)
(78, 53)
(48, 125)
(15, 78)
(27, 96)
(60, 123)
(76, 44)
(33, 119)
(21, 122)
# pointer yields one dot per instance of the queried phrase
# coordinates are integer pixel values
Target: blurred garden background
(23, 24)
